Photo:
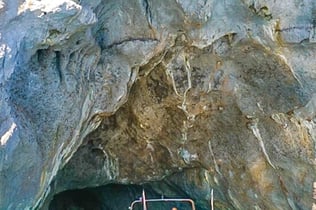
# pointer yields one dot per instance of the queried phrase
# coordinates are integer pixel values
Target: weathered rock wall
(206, 94)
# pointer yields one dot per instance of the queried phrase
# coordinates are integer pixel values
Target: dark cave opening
(114, 197)
(76, 199)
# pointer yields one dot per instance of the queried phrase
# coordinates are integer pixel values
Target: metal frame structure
(143, 200)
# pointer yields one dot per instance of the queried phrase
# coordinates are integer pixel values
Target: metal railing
(144, 201)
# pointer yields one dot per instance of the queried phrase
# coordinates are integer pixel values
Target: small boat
(144, 202)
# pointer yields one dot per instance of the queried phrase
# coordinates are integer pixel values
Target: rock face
(179, 97)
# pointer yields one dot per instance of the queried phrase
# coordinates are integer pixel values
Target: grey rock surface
(192, 95)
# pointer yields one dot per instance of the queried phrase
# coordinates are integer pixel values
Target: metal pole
(212, 200)
(144, 200)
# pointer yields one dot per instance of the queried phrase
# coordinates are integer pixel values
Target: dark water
(113, 197)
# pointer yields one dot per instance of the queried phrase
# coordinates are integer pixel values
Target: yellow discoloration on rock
(259, 171)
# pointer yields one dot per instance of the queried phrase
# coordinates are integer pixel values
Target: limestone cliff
(178, 96)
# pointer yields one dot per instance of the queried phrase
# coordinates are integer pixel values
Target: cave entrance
(115, 197)
(76, 200)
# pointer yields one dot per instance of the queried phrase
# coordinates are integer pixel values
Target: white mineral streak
(1, 4)
(233, 199)
(214, 158)
(6, 136)
(171, 75)
(255, 130)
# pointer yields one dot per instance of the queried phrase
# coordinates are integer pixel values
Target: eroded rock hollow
(204, 99)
